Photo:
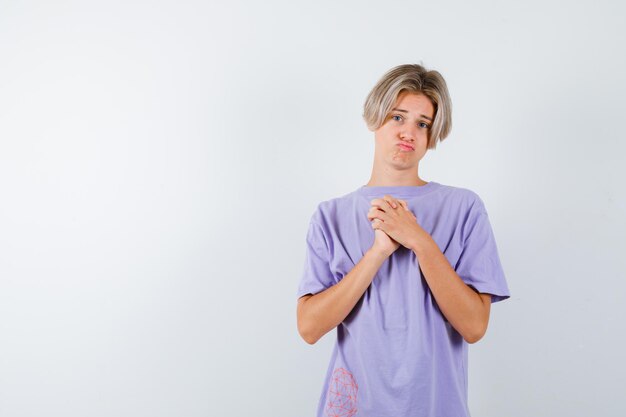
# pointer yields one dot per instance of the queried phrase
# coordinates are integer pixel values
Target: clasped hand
(393, 217)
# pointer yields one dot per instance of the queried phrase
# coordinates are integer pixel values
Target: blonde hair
(412, 78)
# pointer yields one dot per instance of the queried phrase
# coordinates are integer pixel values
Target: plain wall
(160, 161)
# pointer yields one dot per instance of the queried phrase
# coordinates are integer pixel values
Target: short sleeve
(316, 275)
(479, 263)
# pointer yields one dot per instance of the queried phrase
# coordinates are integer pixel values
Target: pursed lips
(405, 146)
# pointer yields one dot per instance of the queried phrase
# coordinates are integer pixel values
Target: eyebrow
(405, 111)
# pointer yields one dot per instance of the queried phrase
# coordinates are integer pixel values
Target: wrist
(420, 243)
(376, 254)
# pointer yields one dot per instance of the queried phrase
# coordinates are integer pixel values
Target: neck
(395, 179)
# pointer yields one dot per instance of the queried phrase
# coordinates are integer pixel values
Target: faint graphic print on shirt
(341, 396)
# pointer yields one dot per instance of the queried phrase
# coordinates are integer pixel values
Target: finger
(391, 201)
(381, 204)
(404, 204)
(377, 224)
(378, 215)
(386, 202)
(371, 213)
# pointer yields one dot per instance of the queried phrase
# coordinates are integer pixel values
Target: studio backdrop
(160, 162)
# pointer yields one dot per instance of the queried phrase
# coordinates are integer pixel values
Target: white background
(160, 161)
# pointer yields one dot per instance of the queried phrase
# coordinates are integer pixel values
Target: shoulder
(328, 210)
(465, 198)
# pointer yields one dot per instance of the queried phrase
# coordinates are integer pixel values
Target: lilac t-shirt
(395, 354)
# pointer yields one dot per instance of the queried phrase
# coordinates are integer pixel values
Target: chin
(403, 164)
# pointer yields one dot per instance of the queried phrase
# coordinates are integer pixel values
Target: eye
(424, 125)
(398, 117)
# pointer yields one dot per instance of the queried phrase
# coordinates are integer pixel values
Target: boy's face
(408, 123)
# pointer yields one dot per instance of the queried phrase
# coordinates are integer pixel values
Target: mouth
(405, 147)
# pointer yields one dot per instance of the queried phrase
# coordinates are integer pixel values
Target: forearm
(460, 304)
(322, 312)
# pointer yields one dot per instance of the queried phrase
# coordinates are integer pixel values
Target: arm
(466, 310)
(322, 312)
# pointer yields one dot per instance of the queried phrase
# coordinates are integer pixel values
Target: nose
(409, 132)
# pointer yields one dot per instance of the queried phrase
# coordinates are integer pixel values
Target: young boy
(405, 269)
